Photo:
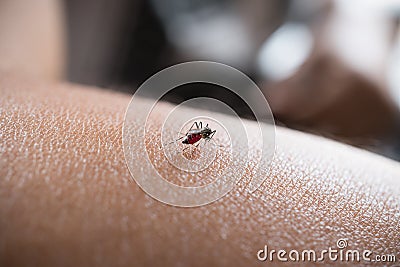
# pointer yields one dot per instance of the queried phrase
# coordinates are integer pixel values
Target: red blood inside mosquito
(193, 138)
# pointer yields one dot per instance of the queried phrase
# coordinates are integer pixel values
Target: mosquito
(195, 134)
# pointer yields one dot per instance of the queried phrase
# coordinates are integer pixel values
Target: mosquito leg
(167, 144)
(194, 123)
(180, 133)
(177, 139)
(180, 138)
(198, 125)
(211, 136)
(212, 133)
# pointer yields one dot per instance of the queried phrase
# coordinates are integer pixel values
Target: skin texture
(67, 198)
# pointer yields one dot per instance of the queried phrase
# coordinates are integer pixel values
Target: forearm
(66, 195)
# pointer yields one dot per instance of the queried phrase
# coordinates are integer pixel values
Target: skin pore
(67, 198)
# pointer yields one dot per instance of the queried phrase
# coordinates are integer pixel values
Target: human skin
(32, 38)
(67, 197)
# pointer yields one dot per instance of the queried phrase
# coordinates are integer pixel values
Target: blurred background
(329, 67)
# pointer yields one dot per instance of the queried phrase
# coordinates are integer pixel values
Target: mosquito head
(206, 132)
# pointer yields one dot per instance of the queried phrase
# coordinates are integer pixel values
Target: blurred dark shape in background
(327, 67)
(121, 43)
(114, 43)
